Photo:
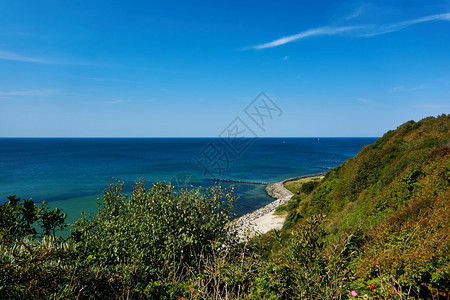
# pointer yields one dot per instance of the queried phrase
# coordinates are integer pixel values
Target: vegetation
(301, 189)
(376, 227)
(392, 201)
(304, 185)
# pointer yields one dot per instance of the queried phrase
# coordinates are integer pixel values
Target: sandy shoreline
(263, 219)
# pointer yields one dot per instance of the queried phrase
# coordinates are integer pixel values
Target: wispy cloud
(383, 29)
(397, 88)
(98, 79)
(27, 93)
(106, 79)
(355, 13)
(438, 106)
(357, 31)
(6, 55)
(13, 56)
(304, 34)
(106, 102)
(400, 88)
(364, 100)
(114, 101)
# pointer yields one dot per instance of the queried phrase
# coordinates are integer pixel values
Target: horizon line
(184, 137)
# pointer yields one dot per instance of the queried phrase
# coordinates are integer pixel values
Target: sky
(113, 68)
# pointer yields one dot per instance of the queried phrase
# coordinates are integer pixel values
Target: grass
(294, 186)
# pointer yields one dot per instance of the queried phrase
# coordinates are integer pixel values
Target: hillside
(392, 202)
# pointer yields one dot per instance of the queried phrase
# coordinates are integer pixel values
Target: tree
(23, 218)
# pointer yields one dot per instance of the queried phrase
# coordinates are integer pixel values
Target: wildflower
(395, 291)
(372, 286)
(111, 280)
(353, 294)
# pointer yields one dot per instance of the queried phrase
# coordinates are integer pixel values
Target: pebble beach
(264, 219)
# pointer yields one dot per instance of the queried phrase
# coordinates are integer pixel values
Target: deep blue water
(72, 173)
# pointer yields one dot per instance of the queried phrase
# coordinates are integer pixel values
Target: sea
(72, 173)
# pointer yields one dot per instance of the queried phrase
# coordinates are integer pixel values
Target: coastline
(263, 219)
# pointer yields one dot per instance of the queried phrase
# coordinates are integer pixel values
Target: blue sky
(189, 68)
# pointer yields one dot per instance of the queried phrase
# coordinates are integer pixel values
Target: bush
(305, 267)
(155, 234)
(309, 186)
(35, 269)
(23, 218)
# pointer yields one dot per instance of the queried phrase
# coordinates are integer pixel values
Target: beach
(264, 219)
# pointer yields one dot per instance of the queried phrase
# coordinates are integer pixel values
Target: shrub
(20, 218)
(309, 186)
(155, 234)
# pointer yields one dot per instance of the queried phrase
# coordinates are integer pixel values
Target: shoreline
(263, 220)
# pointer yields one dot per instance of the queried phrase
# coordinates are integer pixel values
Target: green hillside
(392, 202)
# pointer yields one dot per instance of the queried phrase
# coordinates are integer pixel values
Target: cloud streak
(107, 102)
(358, 31)
(356, 13)
(115, 101)
(34, 92)
(403, 88)
(304, 34)
(383, 29)
(27, 93)
(364, 100)
(6, 55)
(12, 56)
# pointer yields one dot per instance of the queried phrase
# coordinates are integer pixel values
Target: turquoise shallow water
(72, 173)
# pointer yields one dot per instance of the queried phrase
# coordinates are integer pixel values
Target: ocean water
(71, 173)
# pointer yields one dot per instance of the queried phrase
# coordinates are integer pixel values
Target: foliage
(20, 218)
(302, 265)
(156, 234)
(35, 269)
(308, 186)
(147, 244)
(303, 185)
(396, 193)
